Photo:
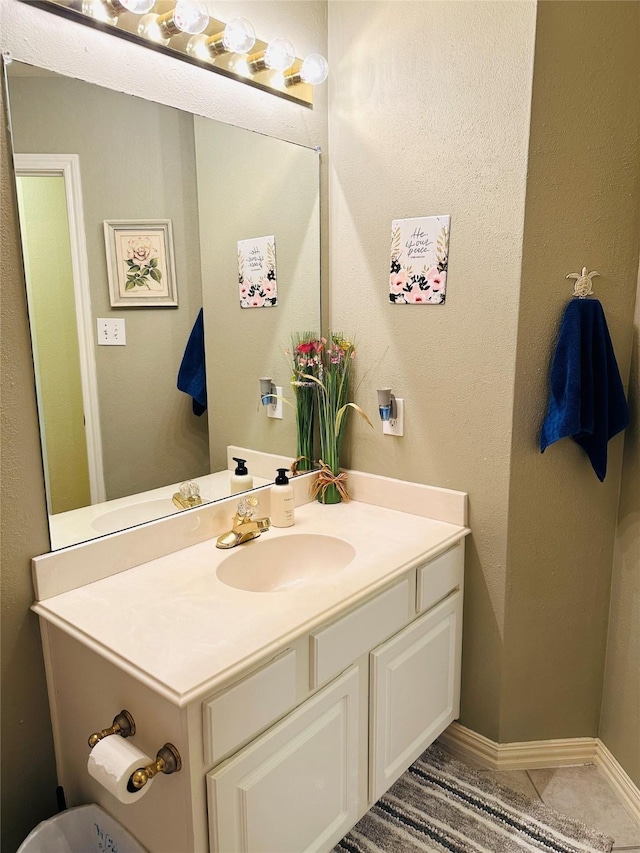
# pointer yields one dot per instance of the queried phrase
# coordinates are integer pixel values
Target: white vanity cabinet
(287, 754)
(300, 786)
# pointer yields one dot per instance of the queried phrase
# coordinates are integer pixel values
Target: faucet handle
(247, 507)
(189, 489)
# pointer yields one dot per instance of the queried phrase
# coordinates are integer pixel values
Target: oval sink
(285, 563)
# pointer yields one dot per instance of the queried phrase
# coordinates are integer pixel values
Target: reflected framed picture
(140, 263)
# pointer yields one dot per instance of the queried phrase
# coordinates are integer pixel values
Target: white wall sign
(419, 258)
(257, 272)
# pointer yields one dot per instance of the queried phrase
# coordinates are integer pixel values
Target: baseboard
(620, 781)
(523, 755)
(562, 752)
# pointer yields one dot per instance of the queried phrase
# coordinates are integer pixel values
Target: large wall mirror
(131, 216)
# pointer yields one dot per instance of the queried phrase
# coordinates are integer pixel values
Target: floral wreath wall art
(257, 272)
(419, 258)
(140, 263)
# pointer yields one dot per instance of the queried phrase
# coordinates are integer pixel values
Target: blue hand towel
(192, 376)
(587, 399)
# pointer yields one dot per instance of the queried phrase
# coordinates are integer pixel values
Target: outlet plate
(111, 332)
(274, 410)
(395, 426)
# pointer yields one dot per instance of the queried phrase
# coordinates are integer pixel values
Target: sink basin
(128, 516)
(285, 563)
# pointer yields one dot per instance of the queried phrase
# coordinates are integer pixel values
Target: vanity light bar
(182, 29)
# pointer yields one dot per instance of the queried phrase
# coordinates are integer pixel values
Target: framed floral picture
(140, 263)
(419, 260)
(257, 272)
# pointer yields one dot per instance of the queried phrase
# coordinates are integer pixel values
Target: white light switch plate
(395, 426)
(275, 409)
(111, 332)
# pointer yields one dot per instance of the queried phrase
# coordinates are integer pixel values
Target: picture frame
(140, 263)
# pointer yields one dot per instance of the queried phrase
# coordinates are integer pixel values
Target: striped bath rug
(443, 806)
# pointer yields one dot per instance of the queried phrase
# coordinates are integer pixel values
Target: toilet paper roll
(111, 763)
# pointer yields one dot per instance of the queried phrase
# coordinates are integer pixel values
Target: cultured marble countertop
(174, 625)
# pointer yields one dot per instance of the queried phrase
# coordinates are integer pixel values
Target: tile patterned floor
(582, 792)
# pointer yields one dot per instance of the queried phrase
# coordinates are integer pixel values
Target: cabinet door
(415, 691)
(295, 788)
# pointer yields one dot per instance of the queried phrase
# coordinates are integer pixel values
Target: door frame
(68, 166)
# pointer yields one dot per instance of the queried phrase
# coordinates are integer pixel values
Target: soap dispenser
(282, 505)
(241, 479)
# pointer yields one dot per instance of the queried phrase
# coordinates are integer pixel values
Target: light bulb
(239, 36)
(279, 55)
(315, 69)
(150, 28)
(138, 7)
(190, 16)
(100, 11)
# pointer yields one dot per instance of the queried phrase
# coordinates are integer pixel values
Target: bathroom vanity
(298, 675)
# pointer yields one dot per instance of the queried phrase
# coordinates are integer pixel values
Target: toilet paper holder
(123, 725)
(167, 761)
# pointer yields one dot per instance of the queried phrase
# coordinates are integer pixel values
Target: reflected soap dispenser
(241, 479)
(282, 505)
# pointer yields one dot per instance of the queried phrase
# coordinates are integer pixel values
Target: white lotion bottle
(241, 479)
(282, 505)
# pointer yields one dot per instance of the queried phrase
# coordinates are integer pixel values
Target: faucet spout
(245, 526)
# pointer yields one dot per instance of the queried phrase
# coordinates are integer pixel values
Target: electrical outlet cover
(275, 409)
(396, 425)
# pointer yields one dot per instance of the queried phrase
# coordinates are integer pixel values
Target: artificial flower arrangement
(322, 374)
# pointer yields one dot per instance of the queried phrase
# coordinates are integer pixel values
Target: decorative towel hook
(583, 287)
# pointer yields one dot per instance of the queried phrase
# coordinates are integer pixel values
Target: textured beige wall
(620, 720)
(28, 771)
(268, 187)
(45, 240)
(583, 193)
(150, 436)
(436, 122)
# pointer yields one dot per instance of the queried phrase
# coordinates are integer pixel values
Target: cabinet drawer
(332, 649)
(439, 577)
(236, 715)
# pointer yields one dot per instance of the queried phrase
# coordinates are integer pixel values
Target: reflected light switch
(111, 332)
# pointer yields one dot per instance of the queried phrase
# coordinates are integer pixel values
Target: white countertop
(175, 626)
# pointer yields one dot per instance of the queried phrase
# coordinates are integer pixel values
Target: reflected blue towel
(192, 376)
(587, 399)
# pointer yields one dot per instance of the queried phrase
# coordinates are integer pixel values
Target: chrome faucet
(245, 525)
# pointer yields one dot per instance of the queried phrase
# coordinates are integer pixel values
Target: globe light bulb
(315, 69)
(150, 28)
(239, 36)
(138, 7)
(190, 16)
(279, 55)
(100, 11)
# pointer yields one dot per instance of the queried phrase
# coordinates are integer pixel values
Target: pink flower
(267, 287)
(256, 301)
(139, 249)
(397, 281)
(417, 296)
(437, 279)
(244, 290)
